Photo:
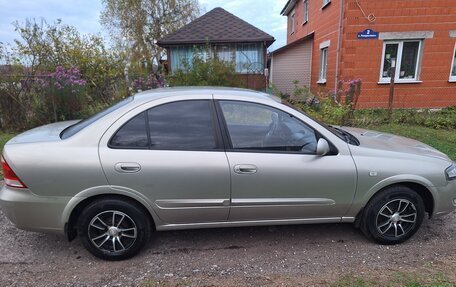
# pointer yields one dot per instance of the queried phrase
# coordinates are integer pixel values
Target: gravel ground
(258, 256)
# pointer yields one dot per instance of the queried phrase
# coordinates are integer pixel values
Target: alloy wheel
(112, 231)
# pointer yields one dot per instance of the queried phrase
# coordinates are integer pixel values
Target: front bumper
(445, 201)
(31, 212)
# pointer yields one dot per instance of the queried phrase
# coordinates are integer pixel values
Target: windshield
(74, 129)
(340, 133)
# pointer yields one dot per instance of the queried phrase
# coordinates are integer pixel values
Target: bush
(206, 72)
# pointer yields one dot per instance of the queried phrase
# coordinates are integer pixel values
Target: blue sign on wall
(368, 34)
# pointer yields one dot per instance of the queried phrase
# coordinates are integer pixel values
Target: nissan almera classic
(181, 158)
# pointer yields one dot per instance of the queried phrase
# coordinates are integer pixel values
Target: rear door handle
(127, 167)
(245, 169)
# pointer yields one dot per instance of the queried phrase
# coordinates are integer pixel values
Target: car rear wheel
(393, 215)
(113, 229)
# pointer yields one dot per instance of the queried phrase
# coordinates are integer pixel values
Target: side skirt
(254, 223)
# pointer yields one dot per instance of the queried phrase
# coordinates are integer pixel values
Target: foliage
(437, 119)
(37, 86)
(323, 106)
(206, 72)
(152, 81)
(141, 23)
(3, 139)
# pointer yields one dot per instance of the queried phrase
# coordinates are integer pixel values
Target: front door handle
(245, 169)
(127, 167)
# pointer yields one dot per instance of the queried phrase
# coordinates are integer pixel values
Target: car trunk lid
(50, 132)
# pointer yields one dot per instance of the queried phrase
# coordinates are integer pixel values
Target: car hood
(390, 142)
(50, 132)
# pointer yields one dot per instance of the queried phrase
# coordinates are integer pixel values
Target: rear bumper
(30, 212)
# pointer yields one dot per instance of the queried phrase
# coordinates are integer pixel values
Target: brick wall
(362, 58)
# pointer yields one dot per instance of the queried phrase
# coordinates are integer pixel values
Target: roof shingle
(216, 26)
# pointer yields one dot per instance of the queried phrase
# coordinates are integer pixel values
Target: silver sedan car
(182, 158)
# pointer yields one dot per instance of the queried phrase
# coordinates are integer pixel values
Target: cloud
(83, 14)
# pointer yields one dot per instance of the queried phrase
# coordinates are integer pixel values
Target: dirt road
(273, 256)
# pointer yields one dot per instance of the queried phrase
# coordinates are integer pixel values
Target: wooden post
(391, 92)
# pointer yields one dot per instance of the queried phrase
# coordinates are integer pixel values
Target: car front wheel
(113, 229)
(393, 215)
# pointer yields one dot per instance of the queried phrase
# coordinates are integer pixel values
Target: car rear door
(275, 173)
(171, 153)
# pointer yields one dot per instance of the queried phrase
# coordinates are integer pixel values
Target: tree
(143, 22)
(30, 88)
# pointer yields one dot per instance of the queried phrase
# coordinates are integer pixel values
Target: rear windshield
(74, 129)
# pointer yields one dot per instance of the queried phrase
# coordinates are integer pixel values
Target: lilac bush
(153, 81)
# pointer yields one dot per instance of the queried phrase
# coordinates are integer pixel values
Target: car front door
(275, 172)
(171, 154)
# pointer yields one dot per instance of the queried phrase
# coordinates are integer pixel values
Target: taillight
(11, 178)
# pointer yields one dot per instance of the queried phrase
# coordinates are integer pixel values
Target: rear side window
(132, 135)
(184, 125)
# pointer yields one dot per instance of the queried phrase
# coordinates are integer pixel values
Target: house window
(249, 58)
(453, 67)
(323, 65)
(306, 11)
(326, 2)
(292, 22)
(224, 53)
(406, 56)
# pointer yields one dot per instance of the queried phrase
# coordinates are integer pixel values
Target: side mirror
(323, 147)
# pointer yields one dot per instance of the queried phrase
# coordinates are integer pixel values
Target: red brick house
(332, 40)
(229, 38)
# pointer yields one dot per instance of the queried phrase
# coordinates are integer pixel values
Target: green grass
(443, 140)
(398, 279)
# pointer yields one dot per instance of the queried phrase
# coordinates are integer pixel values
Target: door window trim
(219, 142)
(229, 144)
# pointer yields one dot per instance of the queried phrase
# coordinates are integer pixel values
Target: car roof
(182, 91)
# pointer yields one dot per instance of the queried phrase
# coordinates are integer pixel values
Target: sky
(85, 14)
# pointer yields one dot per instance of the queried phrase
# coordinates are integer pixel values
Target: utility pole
(391, 92)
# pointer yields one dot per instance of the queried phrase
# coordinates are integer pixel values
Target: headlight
(451, 172)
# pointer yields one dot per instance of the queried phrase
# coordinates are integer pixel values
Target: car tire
(114, 229)
(393, 215)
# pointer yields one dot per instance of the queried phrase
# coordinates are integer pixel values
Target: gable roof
(288, 7)
(216, 26)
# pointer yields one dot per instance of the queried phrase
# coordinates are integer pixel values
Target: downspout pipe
(339, 44)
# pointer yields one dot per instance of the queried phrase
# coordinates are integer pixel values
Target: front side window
(405, 57)
(453, 67)
(306, 10)
(185, 125)
(256, 127)
(323, 64)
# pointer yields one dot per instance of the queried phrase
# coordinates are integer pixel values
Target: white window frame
(323, 65)
(305, 4)
(453, 63)
(399, 62)
(292, 21)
